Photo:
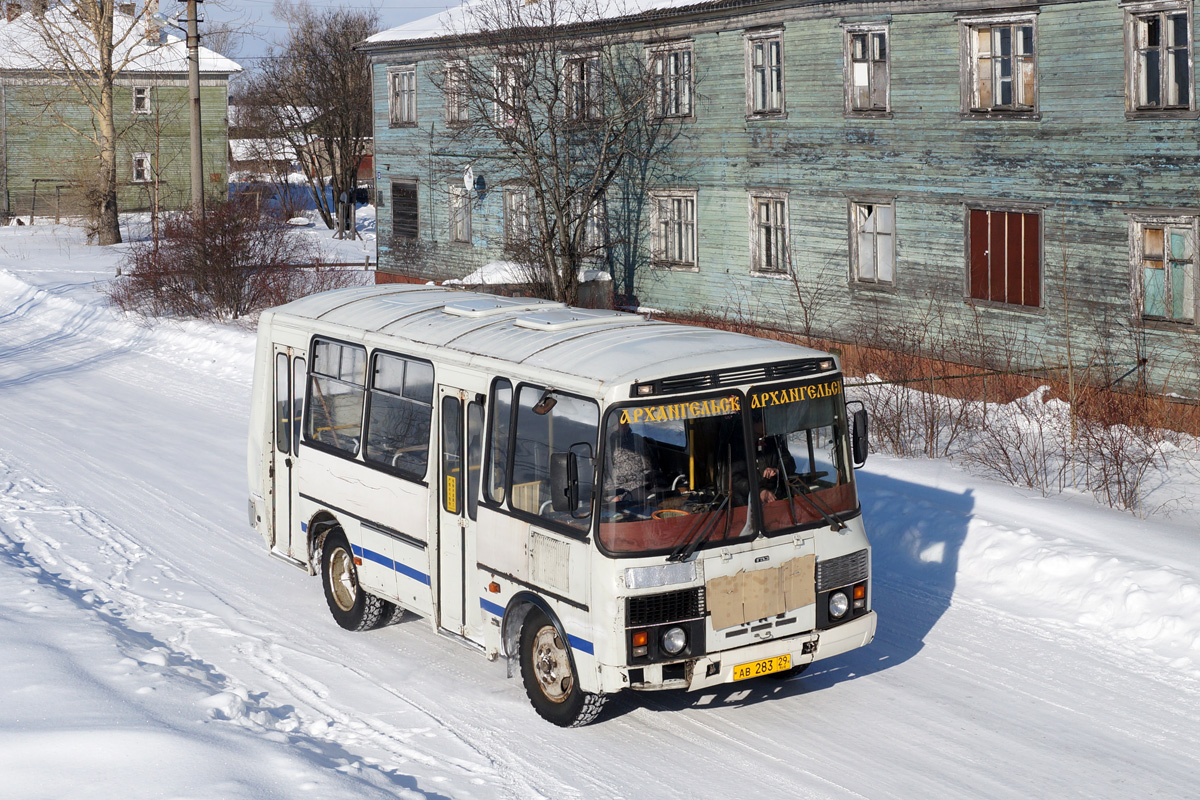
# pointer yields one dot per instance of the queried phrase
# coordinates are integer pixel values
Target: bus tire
(548, 672)
(352, 607)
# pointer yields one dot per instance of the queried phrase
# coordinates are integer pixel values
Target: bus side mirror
(564, 482)
(859, 443)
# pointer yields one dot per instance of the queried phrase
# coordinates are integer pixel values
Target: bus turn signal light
(494, 587)
(860, 591)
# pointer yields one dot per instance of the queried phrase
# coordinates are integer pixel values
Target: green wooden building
(46, 161)
(1012, 183)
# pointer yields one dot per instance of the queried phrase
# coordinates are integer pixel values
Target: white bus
(615, 502)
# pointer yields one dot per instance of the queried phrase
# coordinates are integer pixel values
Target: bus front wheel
(548, 672)
(352, 608)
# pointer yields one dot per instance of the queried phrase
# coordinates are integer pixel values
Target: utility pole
(193, 56)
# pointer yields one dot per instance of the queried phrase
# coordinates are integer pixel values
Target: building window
(595, 231)
(769, 232)
(142, 172)
(873, 242)
(1164, 259)
(764, 74)
(1000, 73)
(405, 220)
(1159, 59)
(509, 101)
(673, 221)
(460, 214)
(671, 66)
(516, 216)
(1005, 256)
(455, 90)
(141, 99)
(402, 95)
(867, 72)
(583, 82)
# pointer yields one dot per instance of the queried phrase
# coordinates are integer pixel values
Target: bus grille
(658, 609)
(842, 571)
(735, 375)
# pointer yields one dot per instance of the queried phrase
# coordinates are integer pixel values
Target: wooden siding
(1082, 165)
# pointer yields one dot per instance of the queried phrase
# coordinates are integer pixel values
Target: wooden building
(1014, 182)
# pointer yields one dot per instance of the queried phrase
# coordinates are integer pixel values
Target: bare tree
(315, 91)
(563, 113)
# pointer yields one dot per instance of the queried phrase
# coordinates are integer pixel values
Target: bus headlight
(839, 604)
(674, 640)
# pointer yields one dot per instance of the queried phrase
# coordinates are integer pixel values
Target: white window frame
(506, 82)
(143, 93)
(762, 74)
(460, 214)
(402, 95)
(595, 231)
(583, 80)
(875, 71)
(144, 163)
(1136, 104)
(770, 233)
(865, 231)
(454, 89)
(673, 69)
(976, 102)
(673, 238)
(1189, 225)
(516, 216)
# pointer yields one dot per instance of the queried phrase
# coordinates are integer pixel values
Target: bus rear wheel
(548, 672)
(352, 608)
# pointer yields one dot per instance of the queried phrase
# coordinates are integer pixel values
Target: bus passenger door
(461, 424)
(288, 401)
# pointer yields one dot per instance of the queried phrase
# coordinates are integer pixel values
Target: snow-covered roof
(589, 348)
(465, 19)
(23, 48)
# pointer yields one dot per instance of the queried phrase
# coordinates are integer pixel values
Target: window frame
(666, 93)
(460, 214)
(1137, 225)
(416, 206)
(854, 205)
(148, 160)
(657, 246)
(971, 101)
(592, 91)
(402, 95)
(454, 81)
(870, 30)
(1004, 208)
(506, 86)
(517, 230)
(147, 106)
(1134, 11)
(372, 362)
(754, 38)
(308, 405)
(772, 197)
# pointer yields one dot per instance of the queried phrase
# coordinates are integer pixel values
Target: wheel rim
(341, 579)
(552, 665)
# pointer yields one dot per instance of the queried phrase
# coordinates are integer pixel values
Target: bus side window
(474, 455)
(283, 405)
(569, 424)
(452, 460)
(337, 388)
(401, 414)
(298, 376)
(497, 455)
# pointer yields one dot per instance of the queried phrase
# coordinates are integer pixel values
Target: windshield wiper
(833, 521)
(698, 534)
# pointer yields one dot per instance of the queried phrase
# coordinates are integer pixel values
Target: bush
(233, 261)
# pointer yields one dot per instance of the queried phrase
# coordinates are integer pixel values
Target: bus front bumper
(717, 668)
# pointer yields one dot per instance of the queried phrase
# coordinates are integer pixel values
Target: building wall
(38, 145)
(1082, 163)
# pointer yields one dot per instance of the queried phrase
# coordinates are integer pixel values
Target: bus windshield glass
(802, 473)
(677, 476)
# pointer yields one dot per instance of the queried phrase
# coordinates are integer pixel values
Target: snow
(496, 273)
(1028, 646)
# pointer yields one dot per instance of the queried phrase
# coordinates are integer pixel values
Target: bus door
(288, 404)
(461, 423)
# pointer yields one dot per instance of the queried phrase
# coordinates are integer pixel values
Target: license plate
(763, 667)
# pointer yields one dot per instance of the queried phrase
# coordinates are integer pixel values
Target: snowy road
(1026, 647)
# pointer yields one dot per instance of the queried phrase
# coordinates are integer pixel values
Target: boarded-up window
(405, 223)
(1005, 257)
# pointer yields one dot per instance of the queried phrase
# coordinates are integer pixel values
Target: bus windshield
(677, 476)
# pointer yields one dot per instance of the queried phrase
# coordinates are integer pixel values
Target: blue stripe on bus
(395, 566)
(582, 645)
(491, 607)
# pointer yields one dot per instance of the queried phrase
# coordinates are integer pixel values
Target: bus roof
(589, 345)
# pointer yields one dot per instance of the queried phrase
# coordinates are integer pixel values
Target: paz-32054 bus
(615, 502)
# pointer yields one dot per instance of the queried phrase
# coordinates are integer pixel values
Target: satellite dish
(469, 178)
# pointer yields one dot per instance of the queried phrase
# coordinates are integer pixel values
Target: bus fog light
(839, 604)
(674, 640)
